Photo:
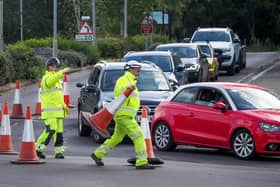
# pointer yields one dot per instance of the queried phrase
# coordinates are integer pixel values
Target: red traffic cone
(6, 143)
(28, 151)
(147, 134)
(17, 107)
(66, 92)
(38, 104)
(100, 120)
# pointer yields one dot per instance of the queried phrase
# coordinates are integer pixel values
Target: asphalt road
(186, 166)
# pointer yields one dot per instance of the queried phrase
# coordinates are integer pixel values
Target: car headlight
(266, 127)
(193, 67)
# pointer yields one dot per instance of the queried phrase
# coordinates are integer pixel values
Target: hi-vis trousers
(54, 128)
(125, 125)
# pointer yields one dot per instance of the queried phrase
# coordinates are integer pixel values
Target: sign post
(146, 28)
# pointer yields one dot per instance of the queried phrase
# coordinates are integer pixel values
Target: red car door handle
(190, 114)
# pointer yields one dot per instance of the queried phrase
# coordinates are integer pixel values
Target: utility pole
(21, 20)
(125, 19)
(1, 26)
(94, 21)
(54, 47)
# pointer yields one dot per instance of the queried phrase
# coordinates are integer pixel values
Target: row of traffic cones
(27, 153)
(17, 106)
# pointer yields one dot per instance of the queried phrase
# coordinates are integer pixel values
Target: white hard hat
(53, 61)
(132, 64)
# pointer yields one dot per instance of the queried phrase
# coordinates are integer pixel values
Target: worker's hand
(131, 87)
(66, 110)
(66, 70)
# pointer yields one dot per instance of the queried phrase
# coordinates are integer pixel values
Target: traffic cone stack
(6, 143)
(66, 92)
(38, 104)
(147, 134)
(28, 151)
(100, 120)
(17, 107)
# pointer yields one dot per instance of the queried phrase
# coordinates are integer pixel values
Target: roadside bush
(111, 47)
(5, 69)
(138, 41)
(22, 58)
(38, 43)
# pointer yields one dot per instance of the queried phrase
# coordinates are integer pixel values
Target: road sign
(85, 33)
(147, 25)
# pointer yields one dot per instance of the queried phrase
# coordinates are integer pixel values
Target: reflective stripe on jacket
(132, 103)
(52, 98)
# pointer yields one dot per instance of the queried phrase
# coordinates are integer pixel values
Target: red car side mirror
(220, 105)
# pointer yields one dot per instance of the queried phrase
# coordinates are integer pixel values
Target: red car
(239, 117)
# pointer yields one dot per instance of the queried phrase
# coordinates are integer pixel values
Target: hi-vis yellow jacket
(52, 98)
(132, 103)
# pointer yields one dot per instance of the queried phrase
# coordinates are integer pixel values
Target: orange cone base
(153, 161)
(8, 153)
(87, 117)
(6, 147)
(38, 110)
(28, 161)
(17, 111)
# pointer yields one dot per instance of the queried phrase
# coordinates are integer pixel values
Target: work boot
(98, 161)
(41, 155)
(145, 166)
(59, 156)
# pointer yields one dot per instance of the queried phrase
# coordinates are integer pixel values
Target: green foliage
(22, 57)
(111, 47)
(36, 43)
(5, 69)
(138, 41)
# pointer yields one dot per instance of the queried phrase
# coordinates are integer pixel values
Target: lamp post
(125, 19)
(21, 20)
(54, 47)
(1, 26)
(94, 21)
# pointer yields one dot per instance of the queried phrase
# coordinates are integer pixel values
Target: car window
(250, 98)
(186, 95)
(209, 96)
(182, 52)
(152, 81)
(164, 62)
(221, 36)
(109, 79)
(147, 80)
(94, 76)
(206, 50)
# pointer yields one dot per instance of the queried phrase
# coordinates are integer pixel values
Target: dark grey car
(193, 58)
(152, 84)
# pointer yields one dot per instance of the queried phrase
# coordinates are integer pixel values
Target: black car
(152, 84)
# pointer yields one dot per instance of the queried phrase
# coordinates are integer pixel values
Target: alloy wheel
(243, 145)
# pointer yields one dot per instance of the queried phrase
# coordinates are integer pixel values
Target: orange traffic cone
(100, 120)
(147, 134)
(17, 107)
(66, 92)
(38, 104)
(28, 151)
(6, 143)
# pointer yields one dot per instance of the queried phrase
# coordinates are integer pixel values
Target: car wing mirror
(79, 85)
(220, 106)
(91, 88)
(179, 68)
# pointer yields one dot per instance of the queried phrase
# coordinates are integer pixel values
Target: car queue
(228, 116)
